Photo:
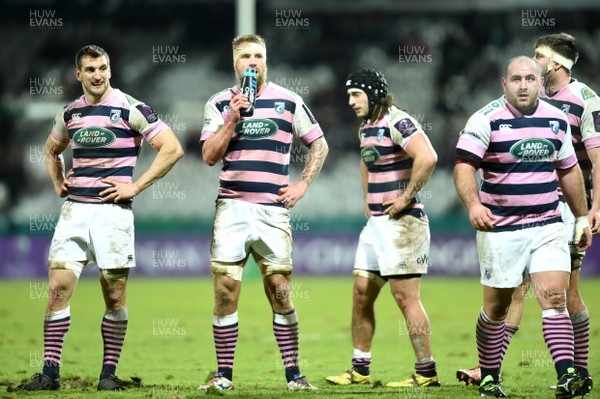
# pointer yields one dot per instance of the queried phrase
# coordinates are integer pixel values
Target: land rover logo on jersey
(94, 136)
(533, 149)
(256, 129)
(369, 155)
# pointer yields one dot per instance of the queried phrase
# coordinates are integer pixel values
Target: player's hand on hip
(63, 190)
(395, 206)
(291, 194)
(119, 191)
(481, 218)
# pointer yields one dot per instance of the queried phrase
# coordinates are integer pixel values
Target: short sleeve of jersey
(590, 119)
(403, 128)
(59, 129)
(566, 158)
(306, 128)
(144, 120)
(213, 120)
(475, 137)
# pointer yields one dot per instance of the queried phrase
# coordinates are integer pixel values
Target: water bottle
(249, 88)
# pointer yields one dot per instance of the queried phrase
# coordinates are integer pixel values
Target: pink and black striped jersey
(256, 162)
(582, 107)
(106, 139)
(382, 150)
(518, 156)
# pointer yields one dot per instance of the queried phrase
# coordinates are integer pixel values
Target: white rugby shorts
(506, 257)
(241, 228)
(101, 234)
(569, 221)
(393, 247)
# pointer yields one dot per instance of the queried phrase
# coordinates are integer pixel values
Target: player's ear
(78, 74)
(109, 72)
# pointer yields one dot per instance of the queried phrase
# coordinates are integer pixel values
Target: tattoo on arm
(317, 153)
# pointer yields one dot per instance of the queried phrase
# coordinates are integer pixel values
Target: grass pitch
(169, 348)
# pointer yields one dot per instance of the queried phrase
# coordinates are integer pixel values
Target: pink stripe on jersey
(519, 200)
(240, 175)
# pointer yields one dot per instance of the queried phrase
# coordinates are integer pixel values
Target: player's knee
(554, 298)
(406, 300)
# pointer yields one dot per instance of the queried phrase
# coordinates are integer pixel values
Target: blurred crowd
(440, 66)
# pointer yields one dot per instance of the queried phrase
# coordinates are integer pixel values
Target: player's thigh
(70, 242)
(402, 245)
(232, 229)
(503, 257)
(112, 236)
(272, 244)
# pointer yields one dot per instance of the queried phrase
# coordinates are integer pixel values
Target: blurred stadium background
(442, 60)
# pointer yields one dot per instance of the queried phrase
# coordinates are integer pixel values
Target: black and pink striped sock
(114, 328)
(426, 367)
(361, 361)
(509, 332)
(285, 327)
(56, 326)
(581, 334)
(225, 334)
(490, 338)
(558, 334)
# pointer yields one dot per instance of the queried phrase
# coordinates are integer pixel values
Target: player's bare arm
(215, 146)
(364, 173)
(571, 183)
(169, 152)
(594, 214)
(55, 164)
(317, 152)
(480, 217)
(424, 161)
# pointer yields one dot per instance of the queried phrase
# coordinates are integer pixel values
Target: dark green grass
(169, 343)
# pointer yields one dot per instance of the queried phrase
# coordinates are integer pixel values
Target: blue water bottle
(249, 88)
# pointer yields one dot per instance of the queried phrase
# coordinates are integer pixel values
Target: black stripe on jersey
(103, 152)
(416, 212)
(383, 187)
(387, 150)
(257, 166)
(518, 167)
(290, 106)
(87, 191)
(119, 133)
(519, 189)
(522, 210)
(374, 131)
(578, 147)
(514, 227)
(283, 125)
(250, 187)
(103, 172)
(504, 146)
(95, 110)
(522, 123)
(575, 131)
(389, 167)
(574, 109)
(264, 144)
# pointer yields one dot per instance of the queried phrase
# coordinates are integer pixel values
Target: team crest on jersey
(380, 134)
(565, 108)
(279, 107)
(115, 115)
(554, 125)
(226, 109)
(587, 93)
